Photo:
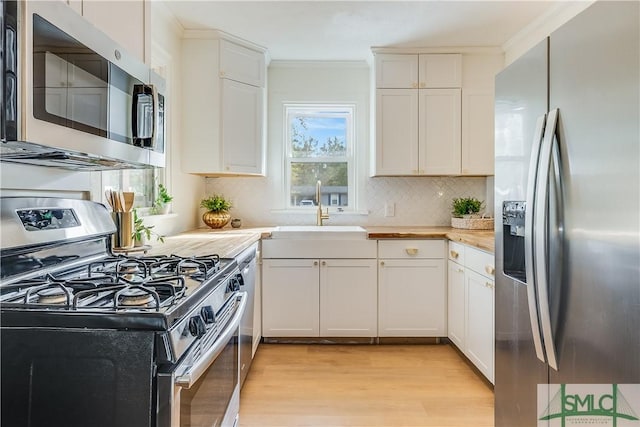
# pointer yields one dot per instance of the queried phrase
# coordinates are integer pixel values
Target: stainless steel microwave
(71, 97)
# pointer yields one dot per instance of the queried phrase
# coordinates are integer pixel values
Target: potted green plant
(162, 205)
(217, 214)
(466, 206)
(141, 232)
(465, 213)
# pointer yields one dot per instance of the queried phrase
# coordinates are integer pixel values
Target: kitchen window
(140, 181)
(319, 147)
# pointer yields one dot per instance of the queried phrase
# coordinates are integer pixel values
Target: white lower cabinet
(412, 297)
(455, 304)
(319, 297)
(348, 298)
(479, 332)
(290, 298)
(471, 305)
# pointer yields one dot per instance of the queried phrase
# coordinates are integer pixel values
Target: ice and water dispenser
(513, 239)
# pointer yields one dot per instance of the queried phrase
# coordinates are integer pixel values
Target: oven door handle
(189, 378)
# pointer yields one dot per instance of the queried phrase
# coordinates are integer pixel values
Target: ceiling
(346, 30)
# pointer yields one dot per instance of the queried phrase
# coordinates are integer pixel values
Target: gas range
(78, 282)
(161, 287)
(78, 322)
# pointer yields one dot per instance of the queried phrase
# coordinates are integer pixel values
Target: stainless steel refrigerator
(567, 181)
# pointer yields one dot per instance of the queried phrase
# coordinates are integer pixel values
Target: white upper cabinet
(223, 105)
(396, 71)
(439, 132)
(242, 64)
(241, 127)
(412, 71)
(397, 131)
(449, 131)
(440, 70)
(477, 113)
(126, 22)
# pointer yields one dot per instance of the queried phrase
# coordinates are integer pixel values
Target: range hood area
(34, 154)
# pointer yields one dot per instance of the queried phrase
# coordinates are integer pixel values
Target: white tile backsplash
(418, 200)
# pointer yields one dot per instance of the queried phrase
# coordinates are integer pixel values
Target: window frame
(327, 110)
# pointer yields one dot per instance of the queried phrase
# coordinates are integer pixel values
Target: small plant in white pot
(465, 213)
(162, 204)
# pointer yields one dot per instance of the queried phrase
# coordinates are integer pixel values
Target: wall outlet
(389, 209)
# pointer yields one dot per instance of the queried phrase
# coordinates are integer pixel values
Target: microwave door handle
(189, 378)
(541, 237)
(156, 112)
(534, 164)
(137, 91)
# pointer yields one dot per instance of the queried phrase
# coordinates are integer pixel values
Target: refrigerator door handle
(540, 237)
(528, 238)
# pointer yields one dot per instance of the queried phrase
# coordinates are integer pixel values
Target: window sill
(154, 219)
(312, 211)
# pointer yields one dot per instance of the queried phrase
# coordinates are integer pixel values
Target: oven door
(207, 392)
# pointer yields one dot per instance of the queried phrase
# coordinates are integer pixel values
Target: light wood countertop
(226, 242)
(229, 242)
(482, 239)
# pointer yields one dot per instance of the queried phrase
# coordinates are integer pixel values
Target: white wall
(541, 28)
(261, 201)
(186, 189)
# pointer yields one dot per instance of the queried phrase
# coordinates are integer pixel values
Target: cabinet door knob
(381, 263)
(324, 262)
(423, 84)
(315, 262)
(489, 269)
(411, 251)
(454, 254)
(489, 285)
(414, 85)
(460, 270)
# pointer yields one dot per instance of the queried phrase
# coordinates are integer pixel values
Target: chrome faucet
(320, 215)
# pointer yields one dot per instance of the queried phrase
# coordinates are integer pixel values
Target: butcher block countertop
(226, 242)
(229, 242)
(482, 239)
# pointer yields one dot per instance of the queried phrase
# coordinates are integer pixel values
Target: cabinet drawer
(406, 248)
(479, 261)
(456, 252)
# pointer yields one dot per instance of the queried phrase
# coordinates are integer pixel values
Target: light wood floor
(363, 385)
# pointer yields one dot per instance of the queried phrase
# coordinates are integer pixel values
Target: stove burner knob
(197, 327)
(233, 285)
(207, 314)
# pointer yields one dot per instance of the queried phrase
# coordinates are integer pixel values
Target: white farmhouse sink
(319, 232)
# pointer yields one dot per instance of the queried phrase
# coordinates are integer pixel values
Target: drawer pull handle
(412, 251)
(454, 254)
(490, 269)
